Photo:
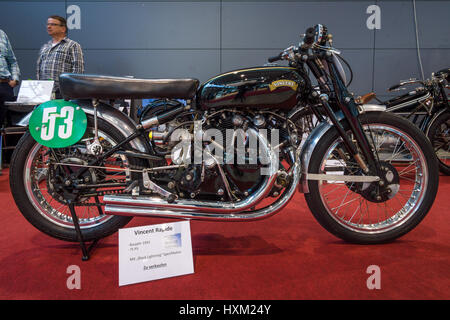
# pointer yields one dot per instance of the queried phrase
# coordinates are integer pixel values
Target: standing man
(9, 78)
(9, 74)
(59, 55)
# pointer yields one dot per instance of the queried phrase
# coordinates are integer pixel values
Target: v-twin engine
(243, 207)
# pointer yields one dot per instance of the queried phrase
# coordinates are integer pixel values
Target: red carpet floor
(286, 257)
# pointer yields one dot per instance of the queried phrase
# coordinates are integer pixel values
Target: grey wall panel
(25, 22)
(148, 25)
(27, 62)
(3, 1)
(434, 60)
(397, 25)
(200, 64)
(149, 0)
(150, 38)
(247, 58)
(391, 66)
(434, 24)
(279, 24)
(360, 61)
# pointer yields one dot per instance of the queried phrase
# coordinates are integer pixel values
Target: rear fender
(367, 107)
(118, 119)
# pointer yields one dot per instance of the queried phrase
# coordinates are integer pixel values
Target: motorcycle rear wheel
(32, 176)
(367, 213)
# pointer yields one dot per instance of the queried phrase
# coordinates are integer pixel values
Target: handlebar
(316, 34)
(402, 83)
(285, 55)
(274, 58)
(394, 87)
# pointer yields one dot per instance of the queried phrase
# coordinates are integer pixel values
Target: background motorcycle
(427, 106)
(348, 167)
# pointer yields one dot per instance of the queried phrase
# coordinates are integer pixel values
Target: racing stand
(86, 250)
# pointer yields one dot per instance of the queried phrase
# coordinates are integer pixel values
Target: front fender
(118, 119)
(434, 119)
(308, 148)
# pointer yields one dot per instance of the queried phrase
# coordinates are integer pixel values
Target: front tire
(367, 213)
(439, 135)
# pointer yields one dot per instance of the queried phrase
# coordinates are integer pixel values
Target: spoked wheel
(378, 211)
(39, 180)
(439, 135)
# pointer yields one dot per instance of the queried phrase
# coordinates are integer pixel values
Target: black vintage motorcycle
(426, 106)
(348, 167)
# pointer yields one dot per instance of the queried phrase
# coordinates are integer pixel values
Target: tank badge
(283, 83)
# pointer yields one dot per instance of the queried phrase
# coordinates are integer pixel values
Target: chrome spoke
(45, 198)
(364, 211)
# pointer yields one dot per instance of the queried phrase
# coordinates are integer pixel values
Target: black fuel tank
(408, 102)
(259, 87)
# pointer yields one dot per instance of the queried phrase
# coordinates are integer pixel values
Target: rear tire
(29, 182)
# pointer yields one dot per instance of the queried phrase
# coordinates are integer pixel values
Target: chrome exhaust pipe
(147, 205)
(196, 214)
(157, 203)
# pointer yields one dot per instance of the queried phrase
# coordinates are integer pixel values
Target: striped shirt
(65, 56)
(9, 68)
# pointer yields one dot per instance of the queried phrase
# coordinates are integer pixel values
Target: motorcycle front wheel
(37, 174)
(368, 212)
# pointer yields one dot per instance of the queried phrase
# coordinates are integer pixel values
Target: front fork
(365, 156)
(357, 131)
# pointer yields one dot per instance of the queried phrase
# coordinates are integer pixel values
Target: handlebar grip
(275, 58)
(394, 87)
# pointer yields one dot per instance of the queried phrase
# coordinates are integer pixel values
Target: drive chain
(113, 191)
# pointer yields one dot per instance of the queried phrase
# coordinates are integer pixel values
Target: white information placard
(35, 91)
(155, 252)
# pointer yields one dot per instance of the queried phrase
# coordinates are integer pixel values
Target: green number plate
(58, 123)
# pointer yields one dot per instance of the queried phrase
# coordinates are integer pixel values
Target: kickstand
(86, 250)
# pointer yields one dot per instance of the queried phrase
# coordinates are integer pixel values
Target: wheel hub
(379, 191)
(59, 181)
